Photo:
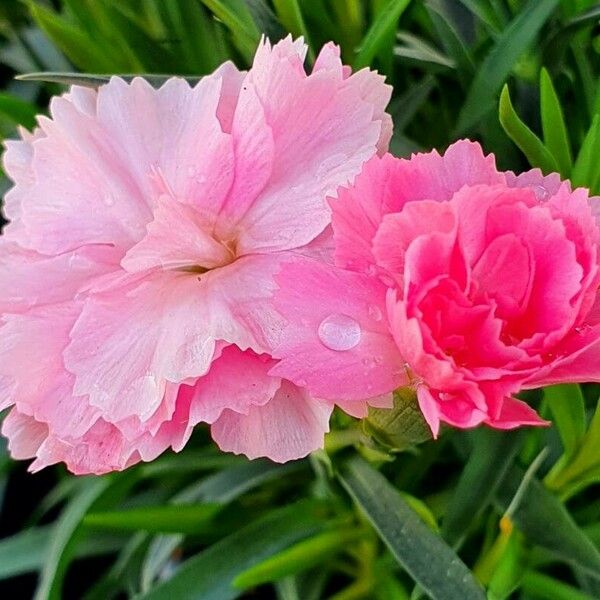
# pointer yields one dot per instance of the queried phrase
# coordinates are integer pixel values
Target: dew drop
(109, 200)
(339, 332)
(375, 313)
(541, 192)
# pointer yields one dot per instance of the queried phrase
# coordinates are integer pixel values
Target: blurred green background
(376, 515)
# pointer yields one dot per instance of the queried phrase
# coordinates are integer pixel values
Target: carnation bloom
(136, 270)
(467, 283)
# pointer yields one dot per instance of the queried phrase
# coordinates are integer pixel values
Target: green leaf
(585, 171)
(428, 559)
(403, 108)
(60, 550)
(27, 550)
(75, 44)
(417, 50)
(290, 15)
(225, 486)
(96, 80)
(183, 518)
(584, 466)
(210, 574)
(508, 571)
(377, 35)
(529, 143)
(543, 587)
(556, 137)
(494, 70)
(300, 557)
(545, 521)
(18, 111)
(485, 13)
(82, 79)
(492, 454)
(450, 37)
(222, 487)
(197, 36)
(568, 410)
(237, 18)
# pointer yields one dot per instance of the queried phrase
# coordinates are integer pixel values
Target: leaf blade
(429, 560)
(238, 552)
(513, 41)
(379, 31)
(529, 143)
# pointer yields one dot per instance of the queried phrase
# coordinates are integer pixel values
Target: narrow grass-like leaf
(404, 107)
(227, 485)
(545, 521)
(75, 44)
(222, 487)
(484, 12)
(290, 15)
(210, 574)
(197, 37)
(494, 70)
(377, 35)
(568, 411)
(585, 171)
(82, 79)
(237, 18)
(416, 50)
(556, 137)
(584, 466)
(96, 80)
(18, 111)
(300, 557)
(543, 587)
(429, 560)
(529, 143)
(60, 550)
(450, 38)
(27, 550)
(185, 518)
(492, 455)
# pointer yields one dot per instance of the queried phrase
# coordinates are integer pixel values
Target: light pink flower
(468, 283)
(136, 270)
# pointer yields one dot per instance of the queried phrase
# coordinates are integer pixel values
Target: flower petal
(289, 426)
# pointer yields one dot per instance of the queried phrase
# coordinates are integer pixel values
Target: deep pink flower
(468, 283)
(136, 270)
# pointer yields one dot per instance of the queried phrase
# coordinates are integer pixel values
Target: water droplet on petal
(375, 313)
(541, 192)
(339, 332)
(109, 200)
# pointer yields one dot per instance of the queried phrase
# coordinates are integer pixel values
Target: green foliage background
(376, 515)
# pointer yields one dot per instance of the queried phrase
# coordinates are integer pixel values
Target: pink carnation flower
(136, 270)
(468, 283)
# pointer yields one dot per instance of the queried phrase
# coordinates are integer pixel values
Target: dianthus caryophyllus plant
(466, 283)
(137, 268)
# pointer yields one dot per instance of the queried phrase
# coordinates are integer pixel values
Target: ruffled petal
(290, 426)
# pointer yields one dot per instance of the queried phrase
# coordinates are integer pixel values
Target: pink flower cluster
(243, 253)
